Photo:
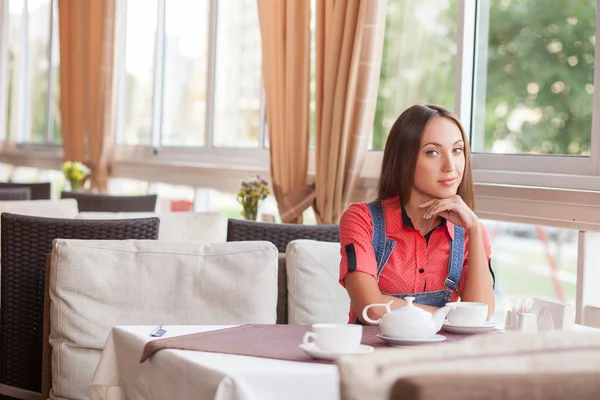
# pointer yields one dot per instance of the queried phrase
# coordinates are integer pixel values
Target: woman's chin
(444, 193)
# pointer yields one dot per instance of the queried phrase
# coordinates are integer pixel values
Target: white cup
(467, 313)
(334, 338)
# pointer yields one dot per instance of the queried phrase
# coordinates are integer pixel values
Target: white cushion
(96, 285)
(177, 226)
(372, 376)
(314, 292)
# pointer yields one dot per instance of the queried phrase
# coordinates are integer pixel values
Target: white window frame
(489, 167)
(545, 190)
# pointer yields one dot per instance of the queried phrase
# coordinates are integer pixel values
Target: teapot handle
(376, 321)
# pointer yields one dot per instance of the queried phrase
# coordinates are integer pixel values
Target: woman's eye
(431, 152)
(458, 150)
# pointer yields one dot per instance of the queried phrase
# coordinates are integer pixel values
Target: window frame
(571, 173)
(528, 165)
(509, 187)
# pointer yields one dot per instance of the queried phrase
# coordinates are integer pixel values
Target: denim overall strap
(435, 299)
(382, 246)
(457, 254)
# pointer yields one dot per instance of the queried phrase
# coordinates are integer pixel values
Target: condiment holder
(526, 316)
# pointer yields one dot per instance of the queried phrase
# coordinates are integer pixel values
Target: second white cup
(467, 313)
(334, 338)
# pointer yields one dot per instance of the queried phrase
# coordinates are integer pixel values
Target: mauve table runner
(260, 340)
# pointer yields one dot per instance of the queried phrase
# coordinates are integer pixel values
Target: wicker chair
(25, 242)
(39, 191)
(279, 234)
(109, 203)
(15, 194)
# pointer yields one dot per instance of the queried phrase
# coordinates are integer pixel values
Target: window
(127, 187)
(173, 197)
(238, 72)
(184, 99)
(138, 79)
(418, 62)
(531, 260)
(192, 74)
(39, 65)
(32, 88)
(15, 62)
(534, 91)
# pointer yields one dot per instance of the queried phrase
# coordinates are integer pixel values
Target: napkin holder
(563, 314)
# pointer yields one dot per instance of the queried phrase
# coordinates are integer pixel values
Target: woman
(420, 237)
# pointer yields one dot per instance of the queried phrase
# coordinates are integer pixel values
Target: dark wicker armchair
(15, 194)
(39, 191)
(25, 242)
(109, 203)
(279, 234)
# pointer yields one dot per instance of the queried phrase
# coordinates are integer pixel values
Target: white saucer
(313, 351)
(409, 342)
(488, 326)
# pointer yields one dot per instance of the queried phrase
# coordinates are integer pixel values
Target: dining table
(182, 375)
(234, 363)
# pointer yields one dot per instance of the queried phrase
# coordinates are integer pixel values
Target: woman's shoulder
(356, 212)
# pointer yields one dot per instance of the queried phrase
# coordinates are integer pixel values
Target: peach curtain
(86, 30)
(285, 36)
(349, 45)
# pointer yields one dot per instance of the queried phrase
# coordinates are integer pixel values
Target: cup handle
(376, 321)
(307, 336)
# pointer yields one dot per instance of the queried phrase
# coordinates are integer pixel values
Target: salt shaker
(511, 321)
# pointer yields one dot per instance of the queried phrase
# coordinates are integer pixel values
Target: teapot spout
(440, 315)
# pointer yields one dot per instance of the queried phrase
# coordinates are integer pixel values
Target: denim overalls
(383, 247)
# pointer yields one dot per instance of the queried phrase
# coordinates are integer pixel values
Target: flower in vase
(76, 173)
(251, 193)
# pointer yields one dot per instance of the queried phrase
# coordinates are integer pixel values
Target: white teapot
(410, 321)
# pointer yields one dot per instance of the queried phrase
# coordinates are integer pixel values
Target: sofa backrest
(372, 376)
(314, 292)
(509, 386)
(96, 285)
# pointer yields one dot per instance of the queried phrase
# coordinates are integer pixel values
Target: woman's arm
(478, 285)
(363, 290)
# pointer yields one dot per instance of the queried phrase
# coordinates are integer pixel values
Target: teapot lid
(411, 309)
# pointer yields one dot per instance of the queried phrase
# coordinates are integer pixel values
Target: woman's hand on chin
(454, 209)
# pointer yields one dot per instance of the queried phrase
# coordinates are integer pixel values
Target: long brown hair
(402, 150)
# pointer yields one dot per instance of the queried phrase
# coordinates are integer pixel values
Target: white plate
(313, 351)
(488, 326)
(409, 342)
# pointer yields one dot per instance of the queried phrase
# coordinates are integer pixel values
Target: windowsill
(507, 197)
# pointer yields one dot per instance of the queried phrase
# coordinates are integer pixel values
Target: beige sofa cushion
(178, 226)
(372, 376)
(96, 285)
(314, 292)
(532, 386)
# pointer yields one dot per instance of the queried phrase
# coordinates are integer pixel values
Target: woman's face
(441, 160)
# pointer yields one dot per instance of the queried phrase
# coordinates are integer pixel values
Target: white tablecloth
(181, 375)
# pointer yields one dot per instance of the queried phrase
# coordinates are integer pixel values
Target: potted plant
(251, 193)
(76, 174)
